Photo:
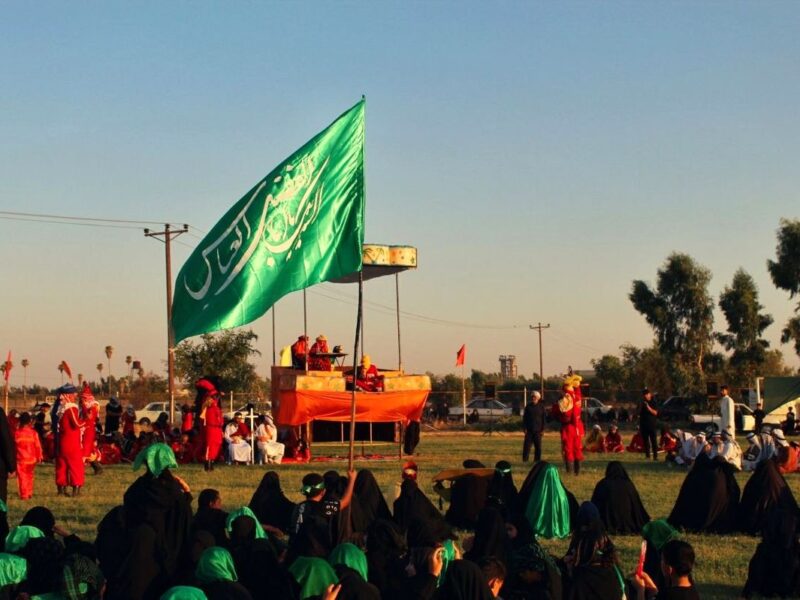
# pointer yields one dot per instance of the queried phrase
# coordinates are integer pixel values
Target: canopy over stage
(379, 260)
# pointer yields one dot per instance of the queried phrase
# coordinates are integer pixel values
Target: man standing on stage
(648, 424)
(533, 419)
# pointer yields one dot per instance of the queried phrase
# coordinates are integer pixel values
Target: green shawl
(658, 533)
(157, 457)
(13, 569)
(19, 537)
(351, 556)
(245, 512)
(548, 506)
(215, 564)
(313, 574)
(184, 592)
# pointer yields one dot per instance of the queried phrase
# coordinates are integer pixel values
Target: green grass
(721, 560)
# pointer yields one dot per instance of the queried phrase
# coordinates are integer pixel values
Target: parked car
(680, 408)
(596, 410)
(487, 409)
(152, 410)
(743, 418)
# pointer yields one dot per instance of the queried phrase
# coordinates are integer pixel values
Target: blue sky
(541, 156)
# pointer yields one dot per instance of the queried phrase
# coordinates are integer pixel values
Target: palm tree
(61, 370)
(128, 361)
(25, 362)
(109, 352)
(80, 379)
(100, 372)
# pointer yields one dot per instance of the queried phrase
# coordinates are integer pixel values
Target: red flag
(67, 370)
(8, 367)
(461, 355)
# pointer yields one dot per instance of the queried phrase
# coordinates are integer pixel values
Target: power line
(47, 221)
(70, 218)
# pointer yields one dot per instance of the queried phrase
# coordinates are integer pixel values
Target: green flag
(300, 225)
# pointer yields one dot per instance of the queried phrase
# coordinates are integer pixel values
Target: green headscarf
(351, 556)
(313, 574)
(158, 457)
(19, 537)
(658, 533)
(245, 512)
(13, 569)
(215, 564)
(448, 556)
(184, 592)
(48, 596)
(3, 507)
(548, 506)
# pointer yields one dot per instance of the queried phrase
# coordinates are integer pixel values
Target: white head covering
(780, 439)
(536, 395)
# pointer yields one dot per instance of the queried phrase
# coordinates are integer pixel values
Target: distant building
(508, 366)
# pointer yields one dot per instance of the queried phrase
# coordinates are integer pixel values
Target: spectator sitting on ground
(614, 440)
(637, 442)
(595, 440)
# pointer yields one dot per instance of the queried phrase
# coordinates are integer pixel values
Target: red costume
(29, 452)
(299, 352)
(568, 412)
(316, 362)
(69, 462)
(90, 412)
(212, 429)
(368, 379)
(637, 443)
(128, 421)
(668, 442)
(614, 442)
(187, 421)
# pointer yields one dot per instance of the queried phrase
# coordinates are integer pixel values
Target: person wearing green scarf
(350, 564)
(351, 556)
(3, 524)
(548, 505)
(314, 576)
(217, 575)
(13, 570)
(657, 533)
(245, 512)
(19, 537)
(157, 457)
(184, 592)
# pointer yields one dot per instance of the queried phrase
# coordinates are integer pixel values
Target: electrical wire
(104, 225)
(70, 218)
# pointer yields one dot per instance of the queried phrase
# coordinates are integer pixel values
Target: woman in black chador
(618, 501)
(709, 498)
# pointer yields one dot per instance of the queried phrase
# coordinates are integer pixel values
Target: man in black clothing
(113, 415)
(533, 421)
(758, 415)
(8, 455)
(648, 424)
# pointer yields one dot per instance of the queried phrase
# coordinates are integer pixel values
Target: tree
(680, 311)
(746, 324)
(225, 355)
(611, 372)
(25, 364)
(785, 274)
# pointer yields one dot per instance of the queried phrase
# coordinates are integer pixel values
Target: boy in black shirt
(677, 562)
(312, 532)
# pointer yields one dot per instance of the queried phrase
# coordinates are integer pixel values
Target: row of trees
(680, 311)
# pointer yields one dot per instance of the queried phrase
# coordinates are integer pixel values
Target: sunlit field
(721, 560)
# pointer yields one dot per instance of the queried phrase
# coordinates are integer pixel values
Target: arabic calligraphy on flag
(300, 225)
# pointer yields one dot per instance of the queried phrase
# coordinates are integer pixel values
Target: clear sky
(541, 156)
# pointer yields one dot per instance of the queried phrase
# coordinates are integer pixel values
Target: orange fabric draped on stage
(298, 407)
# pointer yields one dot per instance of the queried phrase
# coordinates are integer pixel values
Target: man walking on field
(648, 424)
(533, 418)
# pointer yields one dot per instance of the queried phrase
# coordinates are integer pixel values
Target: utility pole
(168, 235)
(539, 328)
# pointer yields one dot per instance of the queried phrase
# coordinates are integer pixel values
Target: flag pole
(355, 367)
(305, 325)
(463, 395)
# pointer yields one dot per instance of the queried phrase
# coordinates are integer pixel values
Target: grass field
(721, 560)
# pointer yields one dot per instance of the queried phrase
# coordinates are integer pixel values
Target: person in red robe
(300, 352)
(368, 379)
(69, 461)
(637, 442)
(568, 414)
(317, 362)
(128, 421)
(614, 440)
(90, 411)
(668, 443)
(29, 452)
(211, 421)
(187, 419)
